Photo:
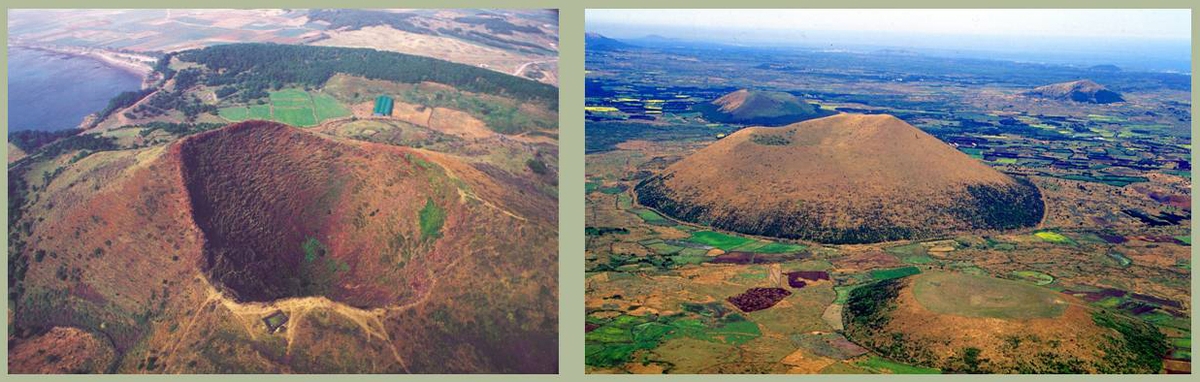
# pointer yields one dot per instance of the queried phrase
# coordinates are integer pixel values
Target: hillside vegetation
(257, 67)
(840, 179)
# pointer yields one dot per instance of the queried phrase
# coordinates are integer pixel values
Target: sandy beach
(134, 63)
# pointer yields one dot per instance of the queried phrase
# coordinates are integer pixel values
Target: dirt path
(249, 314)
(526, 65)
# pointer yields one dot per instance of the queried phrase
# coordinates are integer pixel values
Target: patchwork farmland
(294, 107)
(694, 217)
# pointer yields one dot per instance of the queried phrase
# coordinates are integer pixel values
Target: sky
(1135, 38)
(1125, 23)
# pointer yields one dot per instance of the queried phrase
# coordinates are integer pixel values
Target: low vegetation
(432, 218)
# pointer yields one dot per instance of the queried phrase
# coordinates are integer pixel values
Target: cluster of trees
(51, 145)
(799, 223)
(163, 66)
(187, 78)
(601, 231)
(868, 311)
(254, 67)
(121, 101)
(493, 41)
(178, 129)
(1009, 207)
(178, 99)
(88, 142)
(536, 74)
(868, 308)
(355, 19)
(1139, 349)
(30, 140)
(164, 101)
(225, 91)
(770, 139)
(498, 25)
(986, 207)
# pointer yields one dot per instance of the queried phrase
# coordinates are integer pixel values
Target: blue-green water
(51, 91)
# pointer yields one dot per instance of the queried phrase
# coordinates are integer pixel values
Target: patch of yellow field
(445, 48)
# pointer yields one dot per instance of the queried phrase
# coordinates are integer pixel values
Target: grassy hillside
(840, 179)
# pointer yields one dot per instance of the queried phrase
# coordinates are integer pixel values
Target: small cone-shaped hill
(963, 323)
(755, 107)
(841, 179)
(1079, 91)
(598, 42)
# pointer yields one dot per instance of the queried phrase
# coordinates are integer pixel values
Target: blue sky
(1133, 38)
(1122, 23)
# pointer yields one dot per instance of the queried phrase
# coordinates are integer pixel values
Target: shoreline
(116, 60)
(139, 66)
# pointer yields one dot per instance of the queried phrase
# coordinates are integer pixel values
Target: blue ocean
(51, 91)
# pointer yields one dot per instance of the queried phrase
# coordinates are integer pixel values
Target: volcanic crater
(281, 211)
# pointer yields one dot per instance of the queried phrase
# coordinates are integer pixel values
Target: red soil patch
(759, 298)
(61, 351)
(796, 279)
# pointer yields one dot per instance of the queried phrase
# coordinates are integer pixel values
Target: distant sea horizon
(51, 91)
(1135, 54)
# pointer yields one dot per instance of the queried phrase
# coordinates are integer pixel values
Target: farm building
(383, 106)
(276, 321)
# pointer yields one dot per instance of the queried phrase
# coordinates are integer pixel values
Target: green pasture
(981, 296)
(291, 106)
(718, 240)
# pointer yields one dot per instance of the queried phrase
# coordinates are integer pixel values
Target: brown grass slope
(1079, 91)
(889, 317)
(840, 179)
(173, 255)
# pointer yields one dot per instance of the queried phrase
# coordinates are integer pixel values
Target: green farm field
(291, 106)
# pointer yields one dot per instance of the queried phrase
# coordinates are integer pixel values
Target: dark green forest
(355, 19)
(254, 68)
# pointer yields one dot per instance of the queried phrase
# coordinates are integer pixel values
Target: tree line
(256, 67)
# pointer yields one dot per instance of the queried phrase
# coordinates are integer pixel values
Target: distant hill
(1079, 91)
(597, 42)
(756, 107)
(848, 178)
(1105, 68)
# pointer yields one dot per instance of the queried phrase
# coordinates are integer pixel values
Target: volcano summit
(841, 179)
(760, 107)
(1085, 91)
